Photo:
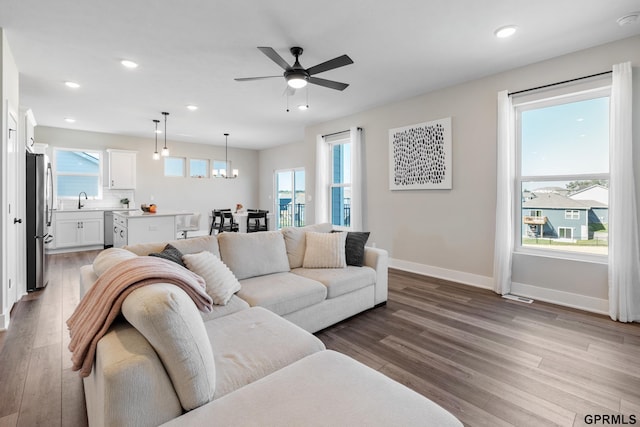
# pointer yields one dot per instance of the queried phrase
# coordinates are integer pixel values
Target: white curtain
(357, 211)
(503, 250)
(624, 252)
(322, 181)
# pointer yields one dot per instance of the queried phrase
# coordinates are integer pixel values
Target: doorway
(290, 197)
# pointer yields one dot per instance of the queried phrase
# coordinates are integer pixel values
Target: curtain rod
(560, 83)
(338, 133)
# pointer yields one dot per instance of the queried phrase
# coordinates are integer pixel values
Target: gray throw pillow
(171, 253)
(354, 247)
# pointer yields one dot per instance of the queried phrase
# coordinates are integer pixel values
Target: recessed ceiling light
(192, 107)
(506, 31)
(69, 120)
(129, 64)
(72, 85)
(628, 19)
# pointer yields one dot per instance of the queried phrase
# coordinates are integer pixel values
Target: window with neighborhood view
(340, 185)
(77, 171)
(563, 173)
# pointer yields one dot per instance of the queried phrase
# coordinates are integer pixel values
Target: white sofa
(260, 345)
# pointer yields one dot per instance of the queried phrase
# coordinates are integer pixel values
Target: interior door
(12, 213)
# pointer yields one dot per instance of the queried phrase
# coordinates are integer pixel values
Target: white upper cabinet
(122, 169)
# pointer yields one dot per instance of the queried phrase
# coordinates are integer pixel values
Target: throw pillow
(110, 257)
(295, 241)
(354, 246)
(221, 283)
(167, 317)
(171, 253)
(325, 250)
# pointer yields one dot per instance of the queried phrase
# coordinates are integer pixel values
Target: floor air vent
(518, 298)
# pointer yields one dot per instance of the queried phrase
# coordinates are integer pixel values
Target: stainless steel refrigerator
(39, 208)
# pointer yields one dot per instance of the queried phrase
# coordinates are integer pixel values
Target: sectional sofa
(253, 360)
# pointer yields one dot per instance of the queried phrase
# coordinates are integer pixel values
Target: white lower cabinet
(78, 229)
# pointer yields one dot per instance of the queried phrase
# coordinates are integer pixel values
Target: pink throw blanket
(101, 304)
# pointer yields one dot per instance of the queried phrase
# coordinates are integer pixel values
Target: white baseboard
(443, 273)
(4, 322)
(567, 299)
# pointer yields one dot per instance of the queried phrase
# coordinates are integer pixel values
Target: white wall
(10, 102)
(450, 233)
(192, 194)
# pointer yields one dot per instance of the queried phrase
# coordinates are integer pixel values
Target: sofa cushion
(220, 281)
(339, 281)
(253, 343)
(110, 257)
(234, 304)
(324, 389)
(295, 241)
(186, 246)
(325, 250)
(254, 254)
(282, 293)
(169, 320)
(170, 253)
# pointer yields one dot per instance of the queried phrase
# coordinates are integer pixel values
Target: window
(571, 214)
(198, 168)
(174, 166)
(340, 186)
(77, 171)
(565, 233)
(290, 197)
(563, 168)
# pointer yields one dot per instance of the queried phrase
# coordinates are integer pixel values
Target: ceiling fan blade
(248, 79)
(328, 83)
(273, 55)
(340, 61)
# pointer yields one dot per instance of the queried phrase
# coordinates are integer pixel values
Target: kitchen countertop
(96, 210)
(139, 214)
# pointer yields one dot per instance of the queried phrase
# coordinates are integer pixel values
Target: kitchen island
(131, 228)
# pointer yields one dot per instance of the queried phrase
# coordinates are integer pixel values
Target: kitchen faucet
(85, 197)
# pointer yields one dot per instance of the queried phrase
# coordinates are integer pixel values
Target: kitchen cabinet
(122, 169)
(77, 229)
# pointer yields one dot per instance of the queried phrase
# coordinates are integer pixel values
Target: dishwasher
(108, 229)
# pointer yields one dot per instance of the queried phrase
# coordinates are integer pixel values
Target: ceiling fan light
(296, 82)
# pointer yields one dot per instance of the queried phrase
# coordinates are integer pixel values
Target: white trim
(566, 299)
(470, 279)
(4, 322)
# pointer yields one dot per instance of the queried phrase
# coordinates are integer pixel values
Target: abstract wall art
(420, 156)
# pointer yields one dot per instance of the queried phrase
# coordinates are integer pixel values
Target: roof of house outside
(558, 201)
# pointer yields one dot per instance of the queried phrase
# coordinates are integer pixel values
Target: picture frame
(420, 156)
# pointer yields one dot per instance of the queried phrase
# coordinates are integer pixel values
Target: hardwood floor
(488, 360)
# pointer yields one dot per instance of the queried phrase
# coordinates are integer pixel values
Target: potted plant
(125, 202)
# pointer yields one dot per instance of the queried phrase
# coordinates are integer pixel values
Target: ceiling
(189, 52)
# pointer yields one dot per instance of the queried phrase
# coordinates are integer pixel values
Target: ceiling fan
(297, 76)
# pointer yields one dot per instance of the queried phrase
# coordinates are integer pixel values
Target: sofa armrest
(128, 385)
(378, 259)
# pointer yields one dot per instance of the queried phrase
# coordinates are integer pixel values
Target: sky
(566, 139)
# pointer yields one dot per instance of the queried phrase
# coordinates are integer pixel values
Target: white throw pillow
(295, 241)
(221, 283)
(325, 250)
(110, 257)
(167, 317)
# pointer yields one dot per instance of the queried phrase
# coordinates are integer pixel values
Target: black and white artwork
(420, 156)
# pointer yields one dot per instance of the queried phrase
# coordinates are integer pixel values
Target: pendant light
(165, 150)
(156, 155)
(222, 173)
